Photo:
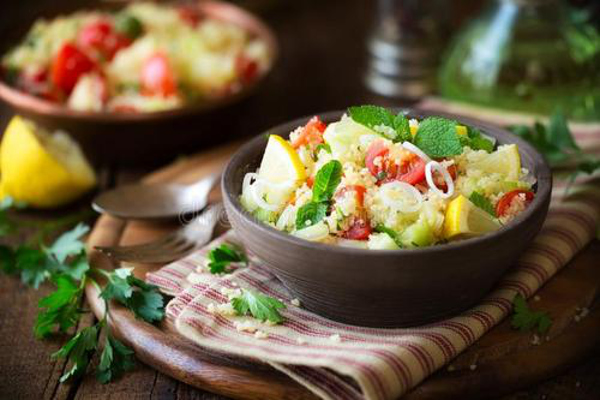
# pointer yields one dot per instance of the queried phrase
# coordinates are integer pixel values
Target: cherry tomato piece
(100, 38)
(246, 68)
(158, 77)
(359, 192)
(190, 15)
(68, 66)
(412, 172)
(506, 201)
(312, 133)
(376, 149)
(359, 230)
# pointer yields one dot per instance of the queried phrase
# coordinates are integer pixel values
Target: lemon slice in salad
(281, 171)
(41, 169)
(506, 160)
(466, 219)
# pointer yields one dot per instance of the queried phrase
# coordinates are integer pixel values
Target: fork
(172, 246)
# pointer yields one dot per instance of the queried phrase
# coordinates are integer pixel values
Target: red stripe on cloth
(577, 217)
(555, 256)
(565, 235)
(538, 272)
(327, 382)
(465, 332)
(504, 304)
(364, 369)
(517, 286)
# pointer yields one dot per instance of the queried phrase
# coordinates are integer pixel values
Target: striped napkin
(338, 361)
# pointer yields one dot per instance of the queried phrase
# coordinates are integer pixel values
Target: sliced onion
(415, 150)
(285, 218)
(314, 233)
(410, 198)
(248, 181)
(434, 165)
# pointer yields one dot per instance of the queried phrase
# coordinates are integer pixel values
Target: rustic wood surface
(320, 68)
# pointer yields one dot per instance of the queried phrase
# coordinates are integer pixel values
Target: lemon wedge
(466, 219)
(281, 169)
(462, 130)
(506, 160)
(41, 169)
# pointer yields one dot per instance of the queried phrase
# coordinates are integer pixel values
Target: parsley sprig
(526, 319)
(259, 306)
(64, 264)
(222, 256)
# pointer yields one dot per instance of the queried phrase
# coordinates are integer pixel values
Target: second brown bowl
(387, 288)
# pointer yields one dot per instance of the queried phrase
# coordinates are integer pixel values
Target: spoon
(155, 201)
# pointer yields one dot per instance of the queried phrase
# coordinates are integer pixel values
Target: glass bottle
(527, 55)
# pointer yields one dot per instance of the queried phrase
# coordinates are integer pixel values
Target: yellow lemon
(41, 169)
(462, 130)
(281, 170)
(463, 218)
(506, 160)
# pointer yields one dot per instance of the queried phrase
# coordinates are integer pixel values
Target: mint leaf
(61, 307)
(327, 180)
(220, 258)
(310, 213)
(482, 202)
(437, 137)
(525, 319)
(128, 25)
(377, 118)
(559, 133)
(391, 233)
(258, 305)
(116, 359)
(477, 141)
(323, 146)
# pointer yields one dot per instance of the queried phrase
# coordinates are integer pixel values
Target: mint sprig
(374, 117)
(483, 203)
(326, 182)
(437, 137)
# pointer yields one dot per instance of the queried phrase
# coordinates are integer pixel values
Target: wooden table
(320, 68)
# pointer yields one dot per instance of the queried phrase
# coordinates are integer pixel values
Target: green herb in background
(525, 319)
(64, 263)
(482, 202)
(375, 118)
(258, 305)
(222, 256)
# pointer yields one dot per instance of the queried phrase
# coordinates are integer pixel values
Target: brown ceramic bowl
(129, 137)
(387, 288)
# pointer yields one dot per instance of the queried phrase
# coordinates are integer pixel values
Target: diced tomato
(68, 66)
(439, 180)
(100, 38)
(359, 192)
(157, 76)
(376, 149)
(312, 133)
(310, 181)
(506, 201)
(359, 230)
(412, 172)
(190, 15)
(246, 68)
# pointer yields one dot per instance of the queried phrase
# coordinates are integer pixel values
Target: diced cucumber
(418, 234)
(381, 241)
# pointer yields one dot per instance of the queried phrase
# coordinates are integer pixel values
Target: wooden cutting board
(501, 362)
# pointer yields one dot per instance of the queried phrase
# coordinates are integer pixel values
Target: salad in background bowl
(421, 271)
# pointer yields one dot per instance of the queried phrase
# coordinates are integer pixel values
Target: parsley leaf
(482, 202)
(116, 359)
(220, 258)
(437, 137)
(525, 319)
(61, 307)
(140, 297)
(258, 305)
(378, 118)
(326, 181)
(68, 244)
(391, 233)
(33, 265)
(310, 213)
(79, 350)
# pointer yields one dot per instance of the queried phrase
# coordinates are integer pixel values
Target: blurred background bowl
(128, 138)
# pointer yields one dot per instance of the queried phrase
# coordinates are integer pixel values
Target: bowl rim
(541, 200)
(20, 100)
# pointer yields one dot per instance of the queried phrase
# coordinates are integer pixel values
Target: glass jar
(527, 55)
